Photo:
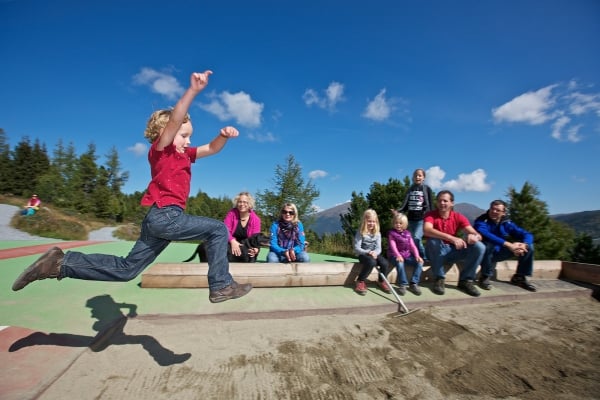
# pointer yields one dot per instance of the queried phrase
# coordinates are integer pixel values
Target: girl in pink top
(402, 250)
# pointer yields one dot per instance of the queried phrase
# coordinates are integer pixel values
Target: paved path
(6, 231)
(9, 233)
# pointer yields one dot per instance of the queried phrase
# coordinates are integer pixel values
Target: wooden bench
(193, 275)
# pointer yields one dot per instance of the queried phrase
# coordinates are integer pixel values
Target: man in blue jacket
(504, 239)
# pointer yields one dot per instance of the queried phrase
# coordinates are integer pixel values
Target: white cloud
(262, 137)
(471, 182)
(314, 209)
(159, 82)
(237, 106)
(564, 106)
(138, 149)
(333, 95)
(558, 125)
(584, 103)
(435, 176)
(379, 108)
(317, 173)
(530, 108)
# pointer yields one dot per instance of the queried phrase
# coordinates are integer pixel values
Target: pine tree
(352, 219)
(552, 239)
(289, 187)
(6, 171)
(584, 250)
(24, 174)
(85, 180)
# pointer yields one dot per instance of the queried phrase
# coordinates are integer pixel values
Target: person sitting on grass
(32, 205)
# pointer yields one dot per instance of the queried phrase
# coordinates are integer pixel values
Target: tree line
(79, 183)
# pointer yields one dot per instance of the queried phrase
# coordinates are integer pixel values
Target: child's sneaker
(361, 288)
(401, 289)
(384, 287)
(413, 287)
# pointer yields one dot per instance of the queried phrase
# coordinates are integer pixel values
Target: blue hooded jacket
(498, 233)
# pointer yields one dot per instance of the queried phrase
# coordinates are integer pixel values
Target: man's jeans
(159, 227)
(441, 254)
(401, 279)
(301, 257)
(416, 229)
(491, 257)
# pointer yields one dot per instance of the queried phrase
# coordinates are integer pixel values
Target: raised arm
(198, 82)
(217, 143)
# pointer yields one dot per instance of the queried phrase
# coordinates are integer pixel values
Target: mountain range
(588, 222)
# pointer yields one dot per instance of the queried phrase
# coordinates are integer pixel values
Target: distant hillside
(328, 221)
(469, 210)
(582, 222)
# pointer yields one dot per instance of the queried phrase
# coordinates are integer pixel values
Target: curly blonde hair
(157, 122)
(251, 202)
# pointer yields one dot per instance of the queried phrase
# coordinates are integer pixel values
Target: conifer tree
(552, 238)
(6, 171)
(22, 171)
(584, 250)
(289, 187)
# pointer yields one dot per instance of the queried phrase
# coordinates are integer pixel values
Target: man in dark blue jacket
(504, 239)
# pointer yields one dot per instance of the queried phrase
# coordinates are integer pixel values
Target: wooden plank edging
(193, 275)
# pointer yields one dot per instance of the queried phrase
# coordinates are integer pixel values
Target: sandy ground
(535, 349)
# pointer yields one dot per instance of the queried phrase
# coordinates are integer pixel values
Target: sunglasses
(285, 212)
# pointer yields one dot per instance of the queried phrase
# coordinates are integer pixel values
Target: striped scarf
(287, 234)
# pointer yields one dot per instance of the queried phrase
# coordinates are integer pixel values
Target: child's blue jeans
(402, 279)
(159, 227)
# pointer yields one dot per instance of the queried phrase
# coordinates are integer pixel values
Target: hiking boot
(485, 283)
(521, 281)
(47, 266)
(401, 289)
(415, 289)
(361, 288)
(469, 288)
(233, 291)
(438, 286)
(384, 287)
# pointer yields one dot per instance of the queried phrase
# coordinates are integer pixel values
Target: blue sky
(484, 95)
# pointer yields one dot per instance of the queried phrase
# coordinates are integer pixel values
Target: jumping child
(170, 158)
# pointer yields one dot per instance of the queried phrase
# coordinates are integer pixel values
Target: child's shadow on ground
(109, 326)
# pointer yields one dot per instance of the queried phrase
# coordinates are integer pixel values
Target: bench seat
(193, 275)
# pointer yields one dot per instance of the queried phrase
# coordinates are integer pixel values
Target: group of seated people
(450, 239)
(287, 241)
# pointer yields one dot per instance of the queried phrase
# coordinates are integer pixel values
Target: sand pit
(536, 349)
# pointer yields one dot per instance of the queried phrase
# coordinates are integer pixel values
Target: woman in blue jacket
(287, 237)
